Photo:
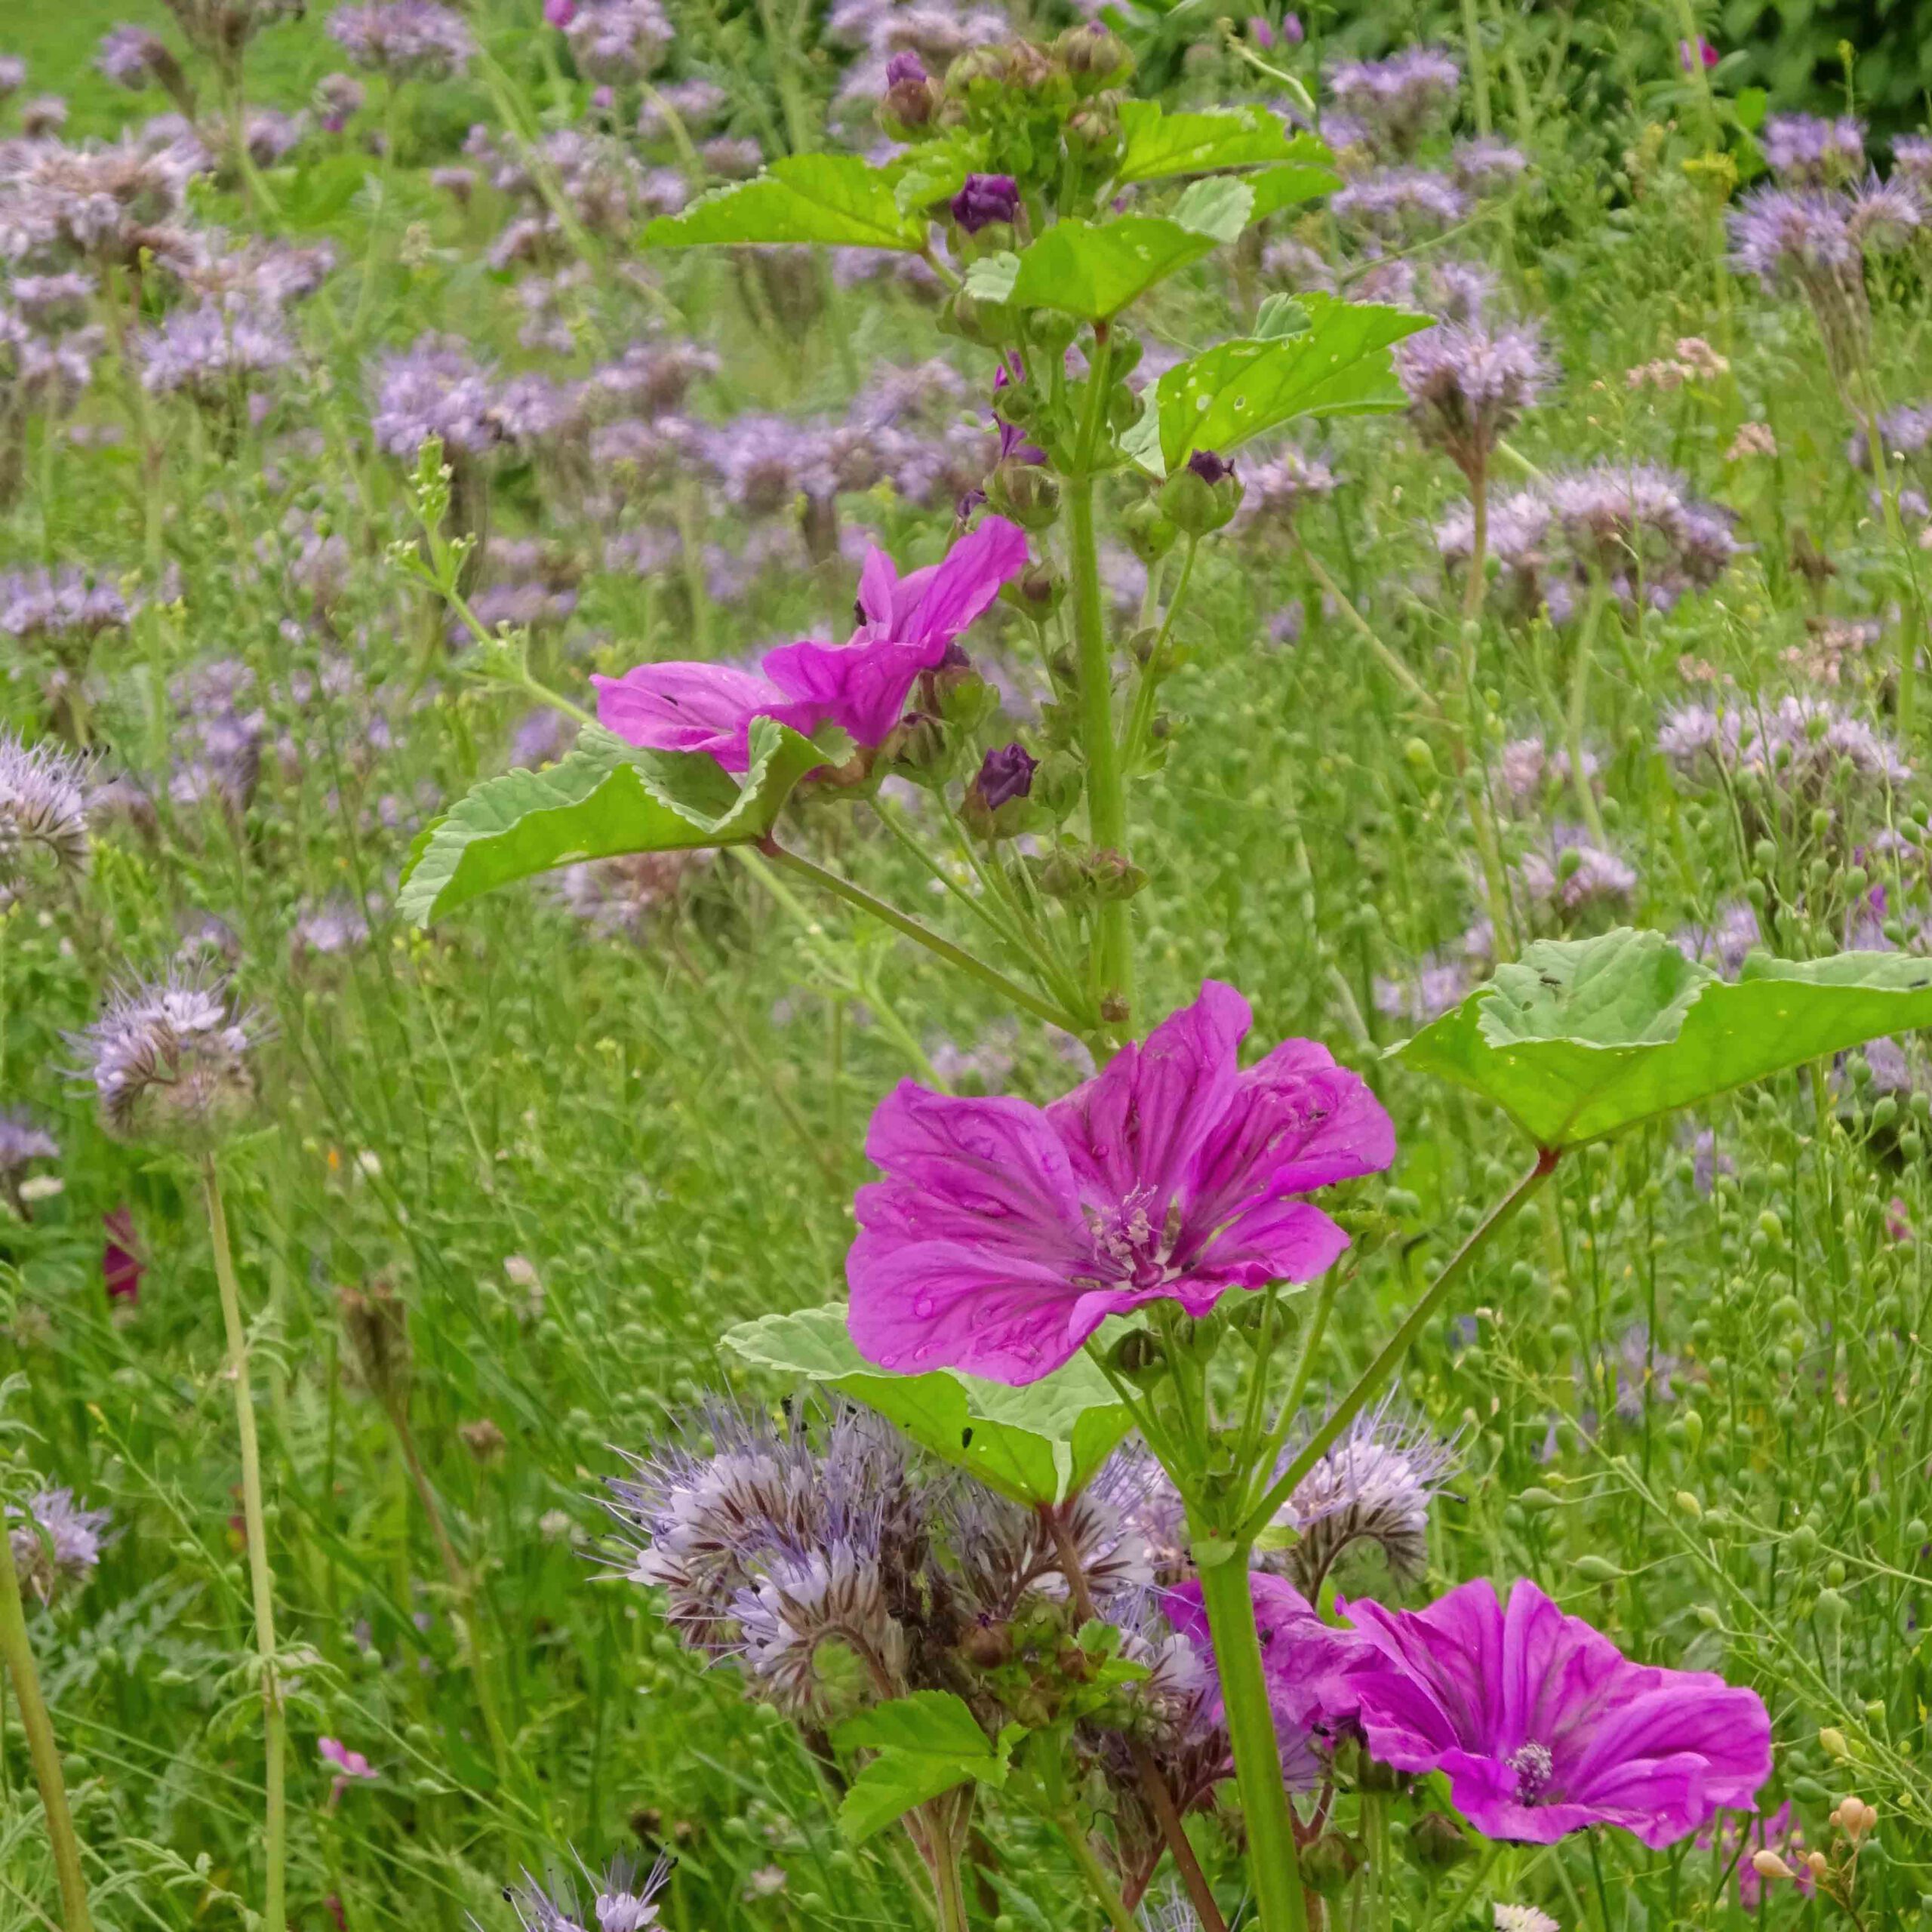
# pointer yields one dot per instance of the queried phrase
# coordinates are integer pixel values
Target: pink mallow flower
(351, 1767)
(1005, 1234)
(905, 626)
(1543, 1727)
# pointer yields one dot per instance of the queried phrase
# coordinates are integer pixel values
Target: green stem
(1106, 795)
(1369, 1384)
(1228, 1596)
(1913, 626)
(275, 1720)
(1479, 67)
(1317, 1327)
(1573, 723)
(1098, 1881)
(17, 1654)
(887, 914)
(942, 1849)
(1141, 719)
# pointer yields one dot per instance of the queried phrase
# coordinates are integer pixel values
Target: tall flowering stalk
(170, 1062)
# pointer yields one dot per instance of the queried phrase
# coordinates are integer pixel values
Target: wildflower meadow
(963, 967)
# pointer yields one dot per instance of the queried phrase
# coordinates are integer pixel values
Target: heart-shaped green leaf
(1097, 270)
(836, 199)
(1037, 1445)
(1339, 365)
(1581, 1038)
(605, 798)
(1159, 144)
(926, 1744)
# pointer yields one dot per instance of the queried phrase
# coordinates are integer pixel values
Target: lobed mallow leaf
(1339, 365)
(836, 200)
(1581, 1038)
(1041, 1444)
(926, 1744)
(1095, 270)
(606, 798)
(1159, 144)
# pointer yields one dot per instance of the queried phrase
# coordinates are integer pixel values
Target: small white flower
(1523, 1918)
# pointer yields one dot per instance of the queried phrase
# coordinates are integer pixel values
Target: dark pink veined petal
(1296, 1121)
(961, 586)
(1643, 1753)
(971, 1245)
(1279, 1241)
(1136, 1128)
(860, 687)
(878, 581)
(682, 707)
(919, 1305)
(1452, 1652)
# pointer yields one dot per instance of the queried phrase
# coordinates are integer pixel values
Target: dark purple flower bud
(985, 198)
(1007, 774)
(902, 67)
(1209, 467)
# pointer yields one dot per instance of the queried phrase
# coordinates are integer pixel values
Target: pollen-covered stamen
(1126, 1239)
(1533, 1766)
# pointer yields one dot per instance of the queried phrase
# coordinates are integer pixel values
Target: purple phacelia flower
(56, 1544)
(1004, 1234)
(1395, 103)
(1467, 385)
(212, 353)
(1809, 149)
(170, 1060)
(618, 40)
(1398, 204)
(404, 39)
(985, 198)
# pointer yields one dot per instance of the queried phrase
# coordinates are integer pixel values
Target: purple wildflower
(906, 625)
(43, 809)
(1395, 102)
(56, 1543)
(1400, 204)
(169, 1059)
(211, 353)
(1485, 165)
(1467, 385)
(618, 40)
(624, 1902)
(435, 388)
(22, 1143)
(985, 198)
(1811, 150)
(1911, 159)
(1005, 1234)
(1543, 1728)
(1572, 876)
(1007, 774)
(130, 56)
(338, 99)
(404, 39)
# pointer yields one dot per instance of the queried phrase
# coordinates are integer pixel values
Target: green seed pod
(1596, 1569)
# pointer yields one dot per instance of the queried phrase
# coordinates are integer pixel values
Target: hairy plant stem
(1369, 1384)
(1273, 1869)
(1098, 1881)
(275, 1720)
(17, 1654)
(1106, 795)
(1477, 582)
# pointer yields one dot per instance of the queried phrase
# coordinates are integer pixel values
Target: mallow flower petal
(1277, 1241)
(1136, 1128)
(860, 687)
(686, 707)
(961, 586)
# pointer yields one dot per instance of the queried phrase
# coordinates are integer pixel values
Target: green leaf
(992, 277)
(1037, 1444)
(836, 199)
(936, 172)
(1096, 271)
(1339, 365)
(926, 1744)
(605, 798)
(1288, 187)
(1581, 1038)
(1159, 143)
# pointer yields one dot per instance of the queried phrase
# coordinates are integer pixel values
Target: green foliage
(1582, 1038)
(1094, 270)
(1037, 1445)
(836, 200)
(1338, 365)
(926, 1745)
(1161, 143)
(606, 798)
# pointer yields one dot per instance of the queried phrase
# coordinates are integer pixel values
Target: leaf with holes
(835, 199)
(1339, 365)
(605, 799)
(1160, 144)
(1041, 1444)
(1581, 1038)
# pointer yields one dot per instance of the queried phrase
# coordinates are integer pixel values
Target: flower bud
(995, 804)
(1094, 57)
(1057, 784)
(1439, 1841)
(1036, 593)
(1203, 496)
(988, 1645)
(910, 100)
(978, 75)
(1094, 133)
(1148, 530)
(1026, 492)
(1329, 1862)
(984, 199)
(918, 746)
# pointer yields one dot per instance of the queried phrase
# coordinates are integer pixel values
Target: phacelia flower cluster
(171, 1061)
